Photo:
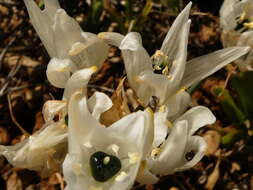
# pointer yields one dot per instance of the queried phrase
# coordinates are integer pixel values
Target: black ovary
(101, 171)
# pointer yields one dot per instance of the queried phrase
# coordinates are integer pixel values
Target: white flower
(170, 61)
(175, 147)
(69, 47)
(236, 18)
(104, 158)
(45, 150)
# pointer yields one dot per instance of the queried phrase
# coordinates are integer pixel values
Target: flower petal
(161, 126)
(58, 72)
(172, 150)
(177, 104)
(91, 52)
(78, 80)
(199, 146)
(66, 33)
(43, 151)
(111, 38)
(42, 22)
(197, 117)
(171, 40)
(138, 128)
(99, 103)
(80, 122)
(201, 67)
(52, 108)
(136, 60)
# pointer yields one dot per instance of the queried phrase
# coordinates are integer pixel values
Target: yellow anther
(77, 168)
(134, 157)
(169, 124)
(162, 108)
(248, 25)
(155, 152)
(165, 70)
(94, 68)
(123, 175)
(101, 35)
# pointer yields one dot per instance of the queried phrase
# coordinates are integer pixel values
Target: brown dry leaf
(214, 176)
(24, 60)
(213, 141)
(39, 121)
(14, 182)
(4, 136)
(173, 188)
(235, 167)
(119, 108)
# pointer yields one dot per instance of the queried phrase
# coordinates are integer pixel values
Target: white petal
(172, 150)
(43, 151)
(138, 128)
(52, 108)
(80, 122)
(136, 60)
(58, 72)
(179, 56)
(199, 146)
(201, 67)
(177, 104)
(78, 80)
(111, 38)
(170, 41)
(99, 103)
(92, 52)
(197, 117)
(66, 33)
(161, 126)
(42, 22)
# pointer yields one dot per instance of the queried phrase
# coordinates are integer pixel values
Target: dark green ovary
(104, 166)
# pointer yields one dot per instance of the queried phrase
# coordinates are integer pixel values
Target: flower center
(104, 166)
(189, 155)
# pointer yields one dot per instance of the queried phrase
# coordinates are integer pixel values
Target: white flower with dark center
(104, 158)
(236, 18)
(69, 47)
(165, 73)
(45, 150)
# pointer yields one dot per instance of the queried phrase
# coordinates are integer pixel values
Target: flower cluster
(236, 17)
(141, 146)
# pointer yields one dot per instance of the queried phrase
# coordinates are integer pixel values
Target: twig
(11, 74)
(5, 50)
(14, 119)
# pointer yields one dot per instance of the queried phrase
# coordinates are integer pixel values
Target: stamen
(155, 152)
(77, 168)
(134, 157)
(123, 175)
(87, 144)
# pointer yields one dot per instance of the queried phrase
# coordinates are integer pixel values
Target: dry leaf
(14, 182)
(213, 141)
(119, 108)
(214, 176)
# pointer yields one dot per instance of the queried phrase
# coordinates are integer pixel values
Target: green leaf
(229, 105)
(243, 84)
